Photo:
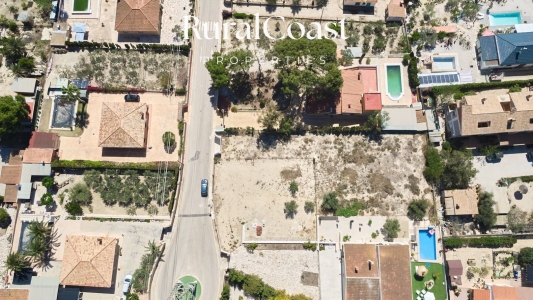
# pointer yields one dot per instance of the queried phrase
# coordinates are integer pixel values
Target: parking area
(132, 237)
(513, 164)
(163, 114)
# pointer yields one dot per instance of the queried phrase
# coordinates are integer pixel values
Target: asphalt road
(192, 249)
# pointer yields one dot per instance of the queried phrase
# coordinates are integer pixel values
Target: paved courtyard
(513, 164)
(163, 118)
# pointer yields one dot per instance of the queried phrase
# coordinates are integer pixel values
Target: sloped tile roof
(14, 294)
(11, 193)
(44, 140)
(88, 261)
(515, 48)
(36, 155)
(138, 16)
(123, 125)
(488, 47)
(395, 272)
(395, 10)
(480, 294)
(362, 289)
(504, 293)
(11, 174)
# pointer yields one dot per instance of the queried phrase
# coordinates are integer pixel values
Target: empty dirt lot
(250, 186)
(254, 192)
(163, 118)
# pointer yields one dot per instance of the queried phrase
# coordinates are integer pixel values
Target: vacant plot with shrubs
(120, 192)
(357, 176)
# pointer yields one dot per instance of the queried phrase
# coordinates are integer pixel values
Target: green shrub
(309, 246)
(5, 218)
(482, 242)
(515, 89)
(234, 109)
(458, 96)
(374, 235)
(240, 15)
(47, 199)
(181, 92)
(74, 208)
(225, 292)
(251, 247)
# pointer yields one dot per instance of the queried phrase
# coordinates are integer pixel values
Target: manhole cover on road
(187, 288)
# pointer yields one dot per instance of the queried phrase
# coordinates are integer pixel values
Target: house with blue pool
(510, 50)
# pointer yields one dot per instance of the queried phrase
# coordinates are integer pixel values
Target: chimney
(142, 115)
(356, 270)
(483, 100)
(99, 241)
(359, 76)
(349, 106)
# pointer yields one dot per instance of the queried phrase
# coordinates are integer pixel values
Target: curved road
(192, 249)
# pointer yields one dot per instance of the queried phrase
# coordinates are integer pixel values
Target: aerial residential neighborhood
(266, 149)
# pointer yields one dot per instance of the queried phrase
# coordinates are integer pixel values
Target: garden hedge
(90, 164)
(486, 241)
(159, 48)
(464, 88)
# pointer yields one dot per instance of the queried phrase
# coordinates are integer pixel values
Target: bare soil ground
(383, 175)
(253, 192)
(122, 68)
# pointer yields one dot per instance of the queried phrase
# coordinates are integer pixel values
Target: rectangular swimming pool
(443, 63)
(505, 19)
(427, 245)
(394, 82)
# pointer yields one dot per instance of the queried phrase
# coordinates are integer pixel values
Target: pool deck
(443, 55)
(406, 99)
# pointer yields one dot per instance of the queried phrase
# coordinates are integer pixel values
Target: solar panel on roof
(438, 79)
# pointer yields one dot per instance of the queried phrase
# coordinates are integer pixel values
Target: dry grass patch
(289, 174)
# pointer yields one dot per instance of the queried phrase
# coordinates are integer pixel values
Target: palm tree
(71, 93)
(153, 249)
(16, 262)
(13, 48)
(39, 230)
(38, 249)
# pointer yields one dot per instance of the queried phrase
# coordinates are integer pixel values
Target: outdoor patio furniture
(424, 292)
(418, 298)
(417, 292)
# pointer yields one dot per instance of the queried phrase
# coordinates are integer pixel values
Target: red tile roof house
(138, 17)
(124, 125)
(88, 261)
(359, 94)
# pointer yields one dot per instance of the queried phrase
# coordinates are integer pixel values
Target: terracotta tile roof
(11, 174)
(88, 261)
(357, 256)
(395, 269)
(372, 101)
(330, 105)
(447, 29)
(11, 193)
(362, 289)
(44, 140)
(480, 294)
(138, 16)
(123, 125)
(15, 158)
(524, 293)
(356, 82)
(37, 155)
(461, 202)
(14, 294)
(396, 11)
(504, 293)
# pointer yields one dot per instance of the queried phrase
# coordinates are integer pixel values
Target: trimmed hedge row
(112, 89)
(183, 49)
(486, 241)
(181, 92)
(90, 164)
(438, 90)
(242, 16)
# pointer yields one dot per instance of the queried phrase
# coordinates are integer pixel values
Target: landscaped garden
(428, 275)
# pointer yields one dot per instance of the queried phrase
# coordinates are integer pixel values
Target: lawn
(439, 289)
(81, 5)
